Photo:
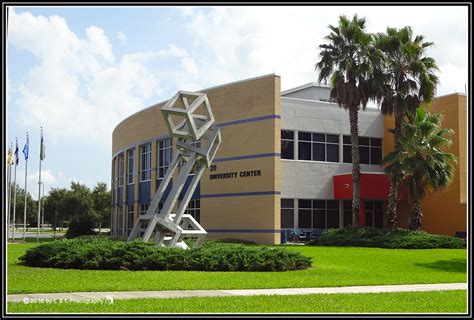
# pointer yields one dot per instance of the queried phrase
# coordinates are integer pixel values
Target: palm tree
(423, 164)
(407, 80)
(349, 60)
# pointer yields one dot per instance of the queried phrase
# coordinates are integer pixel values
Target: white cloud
(121, 36)
(77, 90)
(239, 42)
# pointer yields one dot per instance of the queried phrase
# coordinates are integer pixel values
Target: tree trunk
(392, 218)
(354, 122)
(416, 215)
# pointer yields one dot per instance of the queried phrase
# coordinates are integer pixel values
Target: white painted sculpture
(189, 118)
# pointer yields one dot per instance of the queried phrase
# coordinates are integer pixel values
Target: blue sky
(78, 71)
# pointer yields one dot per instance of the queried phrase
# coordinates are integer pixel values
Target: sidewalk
(241, 292)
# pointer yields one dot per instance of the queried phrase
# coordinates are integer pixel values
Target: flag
(42, 154)
(17, 159)
(26, 147)
(10, 155)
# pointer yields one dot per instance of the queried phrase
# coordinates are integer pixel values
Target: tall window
(114, 181)
(145, 151)
(370, 150)
(287, 213)
(129, 218)
(121, 173)
(373, 214)
(144, 207)
(287, 144)
(131, 165)
(318, 214)
(120, 220)
(194, 209)
(165, 153)
(347, 213)
(318, 146)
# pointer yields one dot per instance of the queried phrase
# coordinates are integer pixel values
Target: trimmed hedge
(98, 253)
(386, 238)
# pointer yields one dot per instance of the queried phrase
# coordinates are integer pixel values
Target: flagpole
(42, 210)
(39, 188)
(9, 190)
(27, 146)
(14, 189)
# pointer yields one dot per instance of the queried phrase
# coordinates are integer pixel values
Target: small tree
(79, 208)
(424, 166)
(101, 198)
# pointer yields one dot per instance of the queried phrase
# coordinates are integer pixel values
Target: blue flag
(26, 147)
(17, 159)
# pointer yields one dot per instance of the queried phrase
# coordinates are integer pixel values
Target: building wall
(248, 113)
(445, 211)
(314, 179)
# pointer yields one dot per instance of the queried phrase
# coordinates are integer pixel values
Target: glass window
(304, 218)
(287, 144)
(144, 207)
(121, 169)
(332, 152)
(165, 153)
(319, 219)
(373, 214)
(370, 150)
(131, 165)
(194, 209)
(145, 151)
(332, 138)
(129, 218)
(287, 213)
(304, 136)
(347, 213)
(319, 152)
(304, 150)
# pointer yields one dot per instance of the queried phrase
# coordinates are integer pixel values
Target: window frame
(145, 162)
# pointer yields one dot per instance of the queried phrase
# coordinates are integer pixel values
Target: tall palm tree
(423, 164)
(407, 80)
(349, 60)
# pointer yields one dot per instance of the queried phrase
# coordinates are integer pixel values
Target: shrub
(385, 238)
(101, 253)
(229, 240)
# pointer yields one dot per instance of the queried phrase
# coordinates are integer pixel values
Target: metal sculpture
(189, 118)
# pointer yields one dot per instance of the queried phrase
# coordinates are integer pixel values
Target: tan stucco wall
(445, 211)
(257, 216)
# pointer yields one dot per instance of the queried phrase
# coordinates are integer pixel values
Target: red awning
(372, 186)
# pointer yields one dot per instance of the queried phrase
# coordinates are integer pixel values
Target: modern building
(284, 163)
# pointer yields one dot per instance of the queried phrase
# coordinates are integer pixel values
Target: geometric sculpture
(189, 118)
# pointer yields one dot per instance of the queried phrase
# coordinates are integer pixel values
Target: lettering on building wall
(234, 174)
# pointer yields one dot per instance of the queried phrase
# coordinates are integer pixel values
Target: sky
(79, 71)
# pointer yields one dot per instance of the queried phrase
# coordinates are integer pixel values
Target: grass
(394, 302)
(332, 266)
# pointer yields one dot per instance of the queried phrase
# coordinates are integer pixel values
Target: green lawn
(332, 266)
(407, 302)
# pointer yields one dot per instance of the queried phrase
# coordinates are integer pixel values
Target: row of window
(326, 147)
(194, 209)
(326, 214)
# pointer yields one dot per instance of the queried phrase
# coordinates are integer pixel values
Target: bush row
(385, 238)
(99, 253)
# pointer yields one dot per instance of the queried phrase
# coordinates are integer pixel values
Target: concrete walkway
(77, 296)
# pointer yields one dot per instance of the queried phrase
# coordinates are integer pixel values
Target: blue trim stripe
(245, 230)
(240, 194)
(252, 156)
(231, 123)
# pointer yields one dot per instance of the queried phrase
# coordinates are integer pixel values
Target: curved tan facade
(239, 194)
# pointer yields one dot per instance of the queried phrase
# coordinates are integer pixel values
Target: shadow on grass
(453, 265)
